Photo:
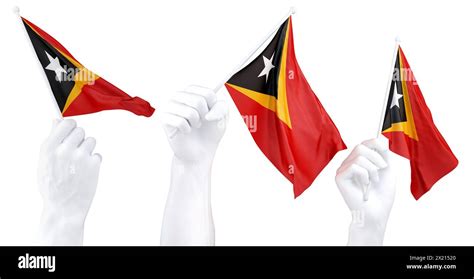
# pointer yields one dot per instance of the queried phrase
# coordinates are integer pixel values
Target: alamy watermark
(404, 74)
(37, 262)
(76, 75)
(251, 122)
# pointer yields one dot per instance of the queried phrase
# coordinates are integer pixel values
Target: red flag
(409, 126)
(284, 116)
(76, 89)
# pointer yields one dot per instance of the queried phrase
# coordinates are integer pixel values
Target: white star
(55, 67)
(268, 66)
(395, 98)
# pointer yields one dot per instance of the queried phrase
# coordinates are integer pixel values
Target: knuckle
(191, 88)
(191, 114)
(359, 160)
(194, 102)
(182, 123)
(80, 131)
(69, 121)
(61, 150)
(209, 95)
(91, 140)
(79, 153)
(353, 168)
(359, 148)
(200, 102)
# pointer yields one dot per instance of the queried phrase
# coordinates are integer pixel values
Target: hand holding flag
(194, 121)
(366, 182)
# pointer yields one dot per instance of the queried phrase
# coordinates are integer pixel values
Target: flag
(282, 113)
(409, 126)
(76, 89)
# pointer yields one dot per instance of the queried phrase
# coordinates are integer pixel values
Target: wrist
(188, 214)
(191, 181)
(61, 226)
(364, 231)
(191, 161)
(200, 169)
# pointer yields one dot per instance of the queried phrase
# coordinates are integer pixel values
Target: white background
(153, 48)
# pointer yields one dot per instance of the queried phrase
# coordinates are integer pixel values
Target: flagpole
(58, 113)
(384, 106)
(387, 92)
(292, 11)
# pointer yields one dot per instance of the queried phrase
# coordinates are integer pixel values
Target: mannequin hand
(367, 184)
(195, 122)
(67, 175)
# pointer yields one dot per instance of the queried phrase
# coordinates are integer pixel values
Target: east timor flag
(409, 126)
(76, 89)
(290, 125)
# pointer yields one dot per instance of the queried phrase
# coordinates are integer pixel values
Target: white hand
(194, 122)
(67, 176)
(367, 184)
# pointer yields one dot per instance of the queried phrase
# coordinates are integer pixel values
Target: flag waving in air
(409, 126)
(288, 122)
(76, 89)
